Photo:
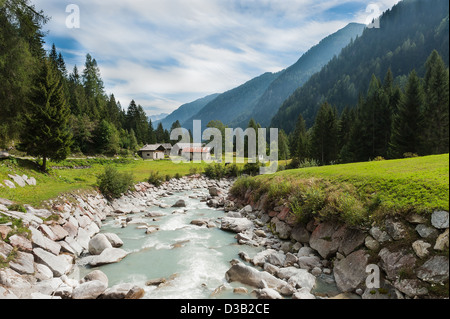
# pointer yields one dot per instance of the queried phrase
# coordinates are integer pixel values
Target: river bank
(43, 260)
(289, 260)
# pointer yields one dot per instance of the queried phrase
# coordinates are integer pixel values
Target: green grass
(359, 192)
(60, 181)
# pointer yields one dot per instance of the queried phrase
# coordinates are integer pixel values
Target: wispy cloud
(164, 53)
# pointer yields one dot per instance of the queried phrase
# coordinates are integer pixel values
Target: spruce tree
(299, 142)
(151, 133)
(46, 131)
(437, 105)
(408, 122)
(160, 134)
(324, 135)
(283, 146)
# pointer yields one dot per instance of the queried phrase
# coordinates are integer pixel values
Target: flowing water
(194, 258)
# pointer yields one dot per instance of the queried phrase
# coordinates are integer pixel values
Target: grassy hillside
(358, 192)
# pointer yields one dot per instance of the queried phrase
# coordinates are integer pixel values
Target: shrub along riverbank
(355, 193)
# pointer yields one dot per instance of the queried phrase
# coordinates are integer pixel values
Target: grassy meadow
(80, 174)
(359, 192)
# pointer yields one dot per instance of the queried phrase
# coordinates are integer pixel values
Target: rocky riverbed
(317, 260)
(401, 258)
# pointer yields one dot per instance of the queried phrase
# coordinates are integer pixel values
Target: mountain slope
(408, 34)
(185, 111)
(297, 74)
(229, 105)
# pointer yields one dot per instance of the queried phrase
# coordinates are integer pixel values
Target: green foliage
(156, 179)
(408, 122)
(113, 183)
(45, 131)
(252, 169)
(107, 138)
(17, 208)
(218, 171)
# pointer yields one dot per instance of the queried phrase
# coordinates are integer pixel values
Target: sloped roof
(152, 148)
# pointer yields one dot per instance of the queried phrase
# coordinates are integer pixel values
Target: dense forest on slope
(408, 33)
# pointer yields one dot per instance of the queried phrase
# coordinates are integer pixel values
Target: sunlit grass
(358, 192)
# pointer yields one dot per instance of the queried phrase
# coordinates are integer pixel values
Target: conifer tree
(299, 141)
(151, 133)
(437, 105)
(408, 122)
(324, 135)
(46, 131)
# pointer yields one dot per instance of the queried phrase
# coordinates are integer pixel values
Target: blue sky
(164, 53)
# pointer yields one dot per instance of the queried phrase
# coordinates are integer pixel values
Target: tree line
(49, 112)
(390, 121)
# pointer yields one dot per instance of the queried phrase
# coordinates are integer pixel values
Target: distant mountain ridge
(158, 117)
(185, 111)
(261, 97)
(296, 75)
(231, 104)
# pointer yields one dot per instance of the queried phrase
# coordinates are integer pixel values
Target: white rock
(40, 240)
(303, 294)
(18, 180)
(108, 256)
(89, 290)
(59, 265)
(98, 244)
(297, 277)
(42, 272)
(115, 241)
(23, 263)
(267, 293)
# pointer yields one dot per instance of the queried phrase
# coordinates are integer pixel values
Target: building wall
(152, 155)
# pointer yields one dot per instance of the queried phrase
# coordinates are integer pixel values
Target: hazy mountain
(260, 98)
(232, 104)
(185, 111)
(158, 117)
(297, 74)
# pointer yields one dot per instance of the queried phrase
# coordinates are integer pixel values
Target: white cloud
(155, 50)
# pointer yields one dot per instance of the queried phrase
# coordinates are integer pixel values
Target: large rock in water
(236, 225)
(298, 278)
(98, 244)
(350, 272)
(108, 256)
(180, 203)
(250, 276)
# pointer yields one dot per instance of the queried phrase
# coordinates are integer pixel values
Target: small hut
(153, 152)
